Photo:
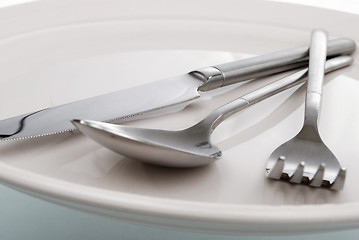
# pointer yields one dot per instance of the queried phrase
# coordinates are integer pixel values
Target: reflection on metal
(18, 125)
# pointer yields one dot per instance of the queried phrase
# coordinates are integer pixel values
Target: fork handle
(317, 56)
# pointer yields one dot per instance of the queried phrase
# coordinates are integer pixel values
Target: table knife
(161, 96)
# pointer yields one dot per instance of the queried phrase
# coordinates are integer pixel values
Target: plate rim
(155, 211)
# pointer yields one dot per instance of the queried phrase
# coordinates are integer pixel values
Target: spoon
(190, 147)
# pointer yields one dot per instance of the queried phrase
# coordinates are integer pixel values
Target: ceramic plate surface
(54, 52)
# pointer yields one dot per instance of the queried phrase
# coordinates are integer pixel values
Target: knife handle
(265, 65)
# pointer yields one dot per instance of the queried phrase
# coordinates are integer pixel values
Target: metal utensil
(159, 97)
(190, 147)
(305, 158)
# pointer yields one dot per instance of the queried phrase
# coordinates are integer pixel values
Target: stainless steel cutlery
(303, 159)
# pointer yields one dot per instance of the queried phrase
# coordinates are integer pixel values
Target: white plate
(53, 52)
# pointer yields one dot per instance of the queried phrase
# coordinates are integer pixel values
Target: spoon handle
(220, 114)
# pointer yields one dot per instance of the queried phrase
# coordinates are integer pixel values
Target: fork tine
(339, 181)
(298, 174)
(276, 171)
(318, 177)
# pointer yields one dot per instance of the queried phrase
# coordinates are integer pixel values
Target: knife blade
(159, 97)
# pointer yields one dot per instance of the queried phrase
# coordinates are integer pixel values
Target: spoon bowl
(185, 148)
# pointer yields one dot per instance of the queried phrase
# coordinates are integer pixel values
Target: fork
(305, 158)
